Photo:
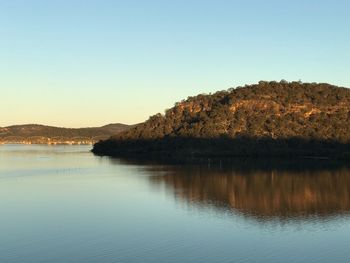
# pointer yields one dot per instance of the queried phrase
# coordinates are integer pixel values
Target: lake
(63, 204)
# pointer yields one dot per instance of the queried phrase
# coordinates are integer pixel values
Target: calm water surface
(63, 204)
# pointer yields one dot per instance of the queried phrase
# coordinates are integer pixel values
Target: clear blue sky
(87, 63)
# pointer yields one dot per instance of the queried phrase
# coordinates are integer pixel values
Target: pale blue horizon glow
(78, 63)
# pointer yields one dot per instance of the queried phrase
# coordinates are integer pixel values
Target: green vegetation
(269, 118)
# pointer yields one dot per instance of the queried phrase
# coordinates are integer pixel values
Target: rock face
(271, 111)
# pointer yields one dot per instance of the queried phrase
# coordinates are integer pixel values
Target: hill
(269, 118)
(41, 134)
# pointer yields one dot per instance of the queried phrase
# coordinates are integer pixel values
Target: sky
(81, 63)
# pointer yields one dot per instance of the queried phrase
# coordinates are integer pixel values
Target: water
(63, 204)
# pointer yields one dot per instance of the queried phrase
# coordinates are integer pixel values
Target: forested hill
(33, 133)
(268, 111)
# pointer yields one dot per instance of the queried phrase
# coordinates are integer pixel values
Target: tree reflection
(260, 189)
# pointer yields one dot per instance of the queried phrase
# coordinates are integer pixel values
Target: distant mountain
(41, 134)
(269, 118)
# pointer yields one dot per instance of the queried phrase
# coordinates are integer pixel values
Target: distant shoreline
(53, 144)
(49, 135)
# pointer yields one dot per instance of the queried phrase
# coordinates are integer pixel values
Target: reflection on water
(63, 204)
(263, 190)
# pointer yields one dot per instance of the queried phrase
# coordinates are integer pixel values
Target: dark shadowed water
(63, 204)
